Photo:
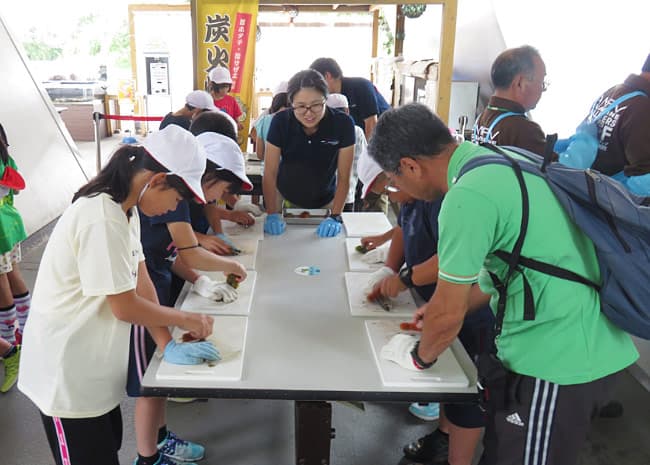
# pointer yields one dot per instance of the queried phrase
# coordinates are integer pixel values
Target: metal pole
(98, 160)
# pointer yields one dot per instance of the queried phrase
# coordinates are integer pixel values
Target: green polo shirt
(570, 341)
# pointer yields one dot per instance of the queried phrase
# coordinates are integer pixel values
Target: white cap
(220, 75)
(368, 170)
(282, 87)
(225, 152)
(200, 99)
(177, 150)
(337, 101)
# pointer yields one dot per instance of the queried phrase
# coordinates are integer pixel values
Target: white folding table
(302, 344)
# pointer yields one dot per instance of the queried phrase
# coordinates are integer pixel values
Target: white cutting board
(242, 306)
(237, 232)
(446, 372)
(403, 306)
(365, 223)
(229, 336)
(354, 258)
(248, 255)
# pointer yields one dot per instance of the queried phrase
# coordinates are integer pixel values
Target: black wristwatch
(336, 217)
(406, 276)
(417, 361)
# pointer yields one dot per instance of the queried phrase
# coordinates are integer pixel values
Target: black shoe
(432, 448)
(613, 409)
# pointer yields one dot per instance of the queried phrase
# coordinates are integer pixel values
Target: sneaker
(11, 371)
(432, 448)
(181, 450)
(164, 460)
(426, 412)
(613, 409)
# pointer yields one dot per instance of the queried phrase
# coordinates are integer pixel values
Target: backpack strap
(514, 259)
(615, 103)
(496, 121)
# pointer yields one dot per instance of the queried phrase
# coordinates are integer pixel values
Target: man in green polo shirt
(561, 363)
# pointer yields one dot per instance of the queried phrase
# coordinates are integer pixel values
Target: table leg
(314, 432)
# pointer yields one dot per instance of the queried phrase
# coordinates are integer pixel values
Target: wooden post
(399, 31)
(446, 68)
(375, 39)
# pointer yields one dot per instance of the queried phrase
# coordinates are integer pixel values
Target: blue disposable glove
(229, 242)
(639, 185)
(274, 224)
(190, 353)
(329, 227)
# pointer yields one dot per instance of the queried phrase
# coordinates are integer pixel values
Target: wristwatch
(406, 276)
(417, 361)
(336, 217)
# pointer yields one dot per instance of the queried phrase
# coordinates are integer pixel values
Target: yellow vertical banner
(225, 33)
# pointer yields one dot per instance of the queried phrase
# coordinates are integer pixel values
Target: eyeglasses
(545, 83)
(314, 108)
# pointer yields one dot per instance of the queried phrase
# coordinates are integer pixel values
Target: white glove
(377, 276)
(399, 349)
(4, 191)
(375, 256)
(213, 290)
(248, 207)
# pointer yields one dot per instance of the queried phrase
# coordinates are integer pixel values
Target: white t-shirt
(359, 145)
(75, 352)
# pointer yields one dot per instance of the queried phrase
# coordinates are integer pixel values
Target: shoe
(432, 448)
(426, 412)
(12, 363)
(164, 460)
(181, 450)
(612, 409)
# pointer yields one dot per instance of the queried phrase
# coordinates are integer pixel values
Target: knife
(383, 302)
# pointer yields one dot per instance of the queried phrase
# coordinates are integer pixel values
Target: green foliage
(389, 41)
(39, 50)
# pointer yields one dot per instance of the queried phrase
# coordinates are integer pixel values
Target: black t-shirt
(308, 164)
(362, 101)
(624, 133)
(181, 121)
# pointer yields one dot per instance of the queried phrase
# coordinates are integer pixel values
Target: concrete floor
(259, 432)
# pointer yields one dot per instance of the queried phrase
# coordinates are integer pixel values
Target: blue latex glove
(274, 224)
(228, 241)
(639, 185)
(329, 227)
(190, 353)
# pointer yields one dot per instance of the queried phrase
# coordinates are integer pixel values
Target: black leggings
(85, 441)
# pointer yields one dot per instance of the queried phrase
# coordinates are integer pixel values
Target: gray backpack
(617, 222)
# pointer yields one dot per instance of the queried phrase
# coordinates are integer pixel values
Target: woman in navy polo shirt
(308, 155)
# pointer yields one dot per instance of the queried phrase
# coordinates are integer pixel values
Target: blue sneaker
(426, 412)
(180, 450)
(164, 460)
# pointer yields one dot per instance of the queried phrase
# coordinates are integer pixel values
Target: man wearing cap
(365, 102)
(340, 102)
(219, 86)
(624, 133)
(519, 79)
(195, 102)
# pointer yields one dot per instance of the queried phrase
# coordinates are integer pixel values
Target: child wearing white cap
(93, 284)
(196, 102)
(219, 86)
(210, 215)
(340, 102)
(171, 247)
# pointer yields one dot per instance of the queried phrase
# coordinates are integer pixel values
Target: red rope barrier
(130, 118)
